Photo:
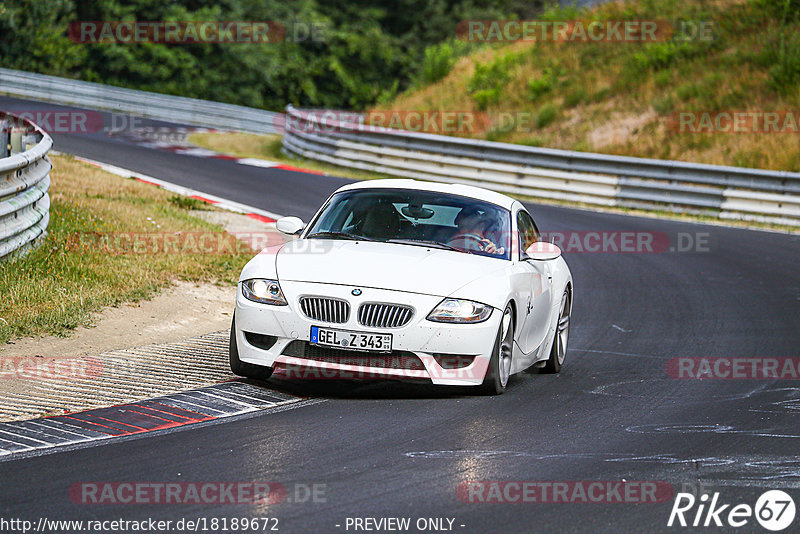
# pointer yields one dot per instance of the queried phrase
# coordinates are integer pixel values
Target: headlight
(263, 291)
(460, 311)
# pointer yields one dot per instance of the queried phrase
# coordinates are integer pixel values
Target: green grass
(269, 147)
(62, 282)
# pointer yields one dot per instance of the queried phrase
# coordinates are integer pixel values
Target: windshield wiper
(341, 235)
(425, 242)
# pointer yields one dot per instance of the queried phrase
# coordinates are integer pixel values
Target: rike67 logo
(774, 510)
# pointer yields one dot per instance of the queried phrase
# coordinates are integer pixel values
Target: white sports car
(408, 280)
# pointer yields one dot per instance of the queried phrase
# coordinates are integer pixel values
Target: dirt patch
(620, 128)
(184, 310)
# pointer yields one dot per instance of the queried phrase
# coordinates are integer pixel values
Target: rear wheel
(240, 368)
(558, 352)
(500, 364)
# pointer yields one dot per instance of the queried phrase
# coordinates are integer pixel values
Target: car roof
(470, 191)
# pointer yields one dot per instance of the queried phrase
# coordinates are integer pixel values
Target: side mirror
(542, 251)
(290, 225)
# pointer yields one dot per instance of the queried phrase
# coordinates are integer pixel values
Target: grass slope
(618, 98)
(57, 286)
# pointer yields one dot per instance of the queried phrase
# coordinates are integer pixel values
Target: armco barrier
(24, 181)
(157, 106)
(599, 179)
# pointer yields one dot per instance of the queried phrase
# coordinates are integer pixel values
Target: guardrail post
(16, 140)
(4, 139)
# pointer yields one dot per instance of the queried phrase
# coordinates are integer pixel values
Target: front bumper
(419, 337)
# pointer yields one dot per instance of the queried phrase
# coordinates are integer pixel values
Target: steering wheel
(471, 242)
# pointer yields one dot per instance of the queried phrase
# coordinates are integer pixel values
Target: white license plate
(345, 339)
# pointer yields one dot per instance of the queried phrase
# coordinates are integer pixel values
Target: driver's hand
(490, 247)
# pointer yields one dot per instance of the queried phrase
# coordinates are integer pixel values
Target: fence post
(16, 141)
(4, 138)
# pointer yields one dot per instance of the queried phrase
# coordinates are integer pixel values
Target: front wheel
(240, 368)
(500, 364)
(558, 352)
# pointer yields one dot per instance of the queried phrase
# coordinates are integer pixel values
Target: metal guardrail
(24, 181)
(156, 106)
(599, 179)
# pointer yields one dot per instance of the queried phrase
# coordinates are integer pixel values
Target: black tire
(560, 337)
(240, 368)
(493, 383)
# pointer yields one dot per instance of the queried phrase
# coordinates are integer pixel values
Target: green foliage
(663, 79)
(187, 203)
(657, 56)
(576, 97)
(664, 104)
(547, 115)
(782, 9)
(34, 37)
(439, 60)
(368, 50)
(539, 87)
(784, 60)
(689, 91)
(487, 82)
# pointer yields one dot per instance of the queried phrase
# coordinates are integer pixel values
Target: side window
(528, 233)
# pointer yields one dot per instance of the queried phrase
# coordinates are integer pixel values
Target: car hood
(409, 268)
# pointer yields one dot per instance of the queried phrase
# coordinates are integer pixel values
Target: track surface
(385, 449)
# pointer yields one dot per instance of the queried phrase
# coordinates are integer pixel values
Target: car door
(537, 310)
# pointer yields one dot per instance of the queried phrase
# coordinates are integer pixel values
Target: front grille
(398, 359)
(381, 315)
(325, 309)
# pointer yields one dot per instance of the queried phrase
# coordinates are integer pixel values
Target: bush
(689, 91)
(547, 115)
(783, 9)
(664, 105)
(657, 56)
(576, 97)
(187, 203)
(487, 82)
(785, 59)
(438, 61)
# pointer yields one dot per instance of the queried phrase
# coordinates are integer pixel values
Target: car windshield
(422, 218)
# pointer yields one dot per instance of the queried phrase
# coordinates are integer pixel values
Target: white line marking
(232, 401)
(253, 162)
(229, 205)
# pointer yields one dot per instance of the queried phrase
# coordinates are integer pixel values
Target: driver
(472, 231)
